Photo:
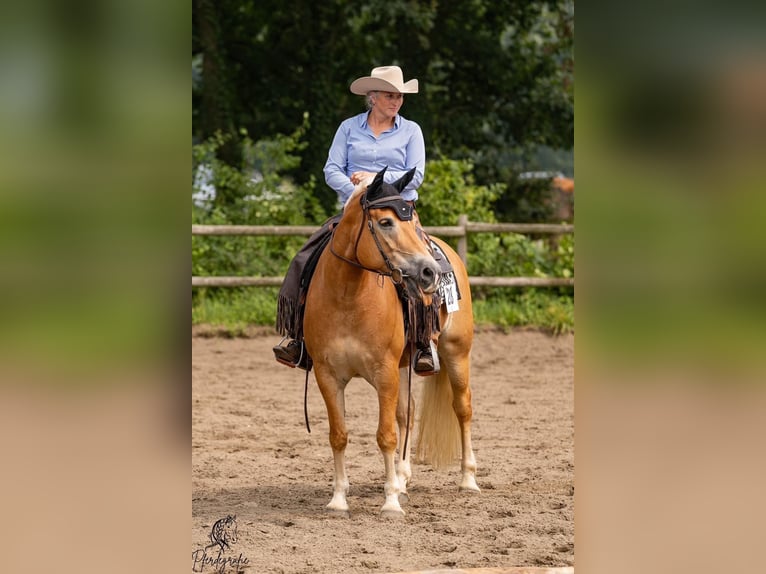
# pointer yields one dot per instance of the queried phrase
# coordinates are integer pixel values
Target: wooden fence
(461, 231)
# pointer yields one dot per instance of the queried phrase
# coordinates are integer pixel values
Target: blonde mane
(360, 188)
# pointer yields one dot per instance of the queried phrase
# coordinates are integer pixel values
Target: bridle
(403, 211)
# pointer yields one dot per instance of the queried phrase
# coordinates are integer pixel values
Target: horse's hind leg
(334, 398)
(459, 374)
(403, 468)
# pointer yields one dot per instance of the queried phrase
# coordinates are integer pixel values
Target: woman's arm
(335, 167)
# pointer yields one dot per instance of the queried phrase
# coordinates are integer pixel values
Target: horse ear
(402, 182)
(377, 184)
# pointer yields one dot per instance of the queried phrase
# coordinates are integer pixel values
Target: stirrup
(434, 358)
(302, 362)
(280, 349)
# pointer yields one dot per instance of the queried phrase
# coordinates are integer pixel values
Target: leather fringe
(287, 315)
(424, 318)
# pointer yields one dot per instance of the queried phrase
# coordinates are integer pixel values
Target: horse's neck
(343, 280)
(344, 239)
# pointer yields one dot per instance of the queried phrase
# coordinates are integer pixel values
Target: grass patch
(530, 308)
(235, 309)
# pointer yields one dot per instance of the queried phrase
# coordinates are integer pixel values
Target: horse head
(394, 243)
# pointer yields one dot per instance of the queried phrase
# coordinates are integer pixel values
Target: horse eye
(386, 223)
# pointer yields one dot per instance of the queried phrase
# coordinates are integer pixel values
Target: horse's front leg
(403, 468)
(388, 396)
(333, 393)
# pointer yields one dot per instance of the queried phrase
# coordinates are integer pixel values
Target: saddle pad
(321, 241)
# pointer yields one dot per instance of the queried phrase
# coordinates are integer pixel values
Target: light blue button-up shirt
(355, 148)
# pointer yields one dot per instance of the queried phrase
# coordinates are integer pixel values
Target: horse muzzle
(428, 276)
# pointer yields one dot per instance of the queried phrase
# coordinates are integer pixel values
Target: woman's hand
(358, 176)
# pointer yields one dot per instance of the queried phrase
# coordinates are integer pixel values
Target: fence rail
(461, 231)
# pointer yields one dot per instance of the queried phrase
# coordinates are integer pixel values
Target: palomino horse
(354, 326)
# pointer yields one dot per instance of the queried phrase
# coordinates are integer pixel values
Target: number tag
(449, 292)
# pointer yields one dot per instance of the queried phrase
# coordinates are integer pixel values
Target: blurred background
(94, 399)
(670, 368)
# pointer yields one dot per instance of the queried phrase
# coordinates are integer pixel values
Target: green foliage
(256, 190)
(529, 201)
(494, 75)
(256, 193)
(449, 190)
(565, 261)
(236, 309)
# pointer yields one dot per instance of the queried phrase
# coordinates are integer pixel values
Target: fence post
(462, 242)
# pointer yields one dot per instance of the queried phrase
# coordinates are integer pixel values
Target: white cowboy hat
(385, 79)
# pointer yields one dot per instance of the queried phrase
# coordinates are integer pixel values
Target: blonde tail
(439, 431)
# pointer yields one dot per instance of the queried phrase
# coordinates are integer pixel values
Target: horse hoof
(404, 498)
(469, 489)
(468, 483)
(392, 513)
(337, 512)
(469, 486)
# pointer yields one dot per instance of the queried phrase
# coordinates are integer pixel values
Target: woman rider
(363, 145)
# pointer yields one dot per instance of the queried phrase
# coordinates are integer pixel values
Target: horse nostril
(428, 277)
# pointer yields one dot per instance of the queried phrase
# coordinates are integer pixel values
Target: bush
(528, 201)
(447, 192)
(255, 193)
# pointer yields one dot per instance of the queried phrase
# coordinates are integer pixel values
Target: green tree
(496, 76)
